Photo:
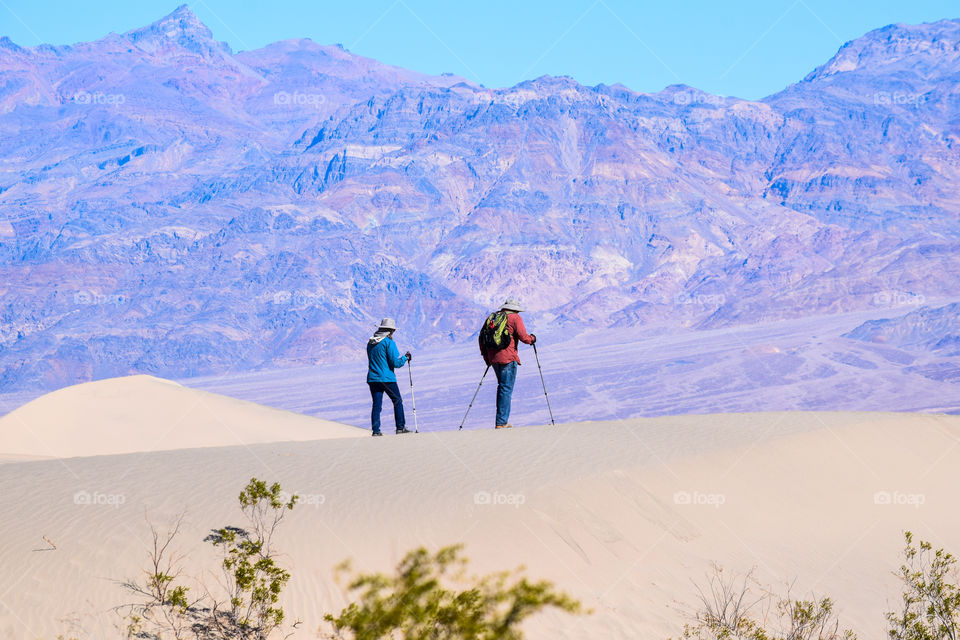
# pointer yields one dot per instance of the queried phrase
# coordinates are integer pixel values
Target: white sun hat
(512, 304)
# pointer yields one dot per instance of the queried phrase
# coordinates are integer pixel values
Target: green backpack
(494, 334)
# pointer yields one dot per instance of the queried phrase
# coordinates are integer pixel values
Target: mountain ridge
(899, 39)
(184, 210)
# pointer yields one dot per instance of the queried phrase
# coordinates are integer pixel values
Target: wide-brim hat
(388, 323)
(512, 304)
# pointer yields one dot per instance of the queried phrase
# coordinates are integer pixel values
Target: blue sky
(747, 49)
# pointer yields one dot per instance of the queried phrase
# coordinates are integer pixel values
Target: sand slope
(624, 515)
(143, 413)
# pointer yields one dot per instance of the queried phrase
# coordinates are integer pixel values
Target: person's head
(387, 325)
(511, 305)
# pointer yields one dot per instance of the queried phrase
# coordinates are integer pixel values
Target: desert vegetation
(244, 605)
(430, 596)
(731, 608)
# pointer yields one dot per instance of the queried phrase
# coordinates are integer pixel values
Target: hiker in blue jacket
(384, 357)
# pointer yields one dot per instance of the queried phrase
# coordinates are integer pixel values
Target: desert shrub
(245, 607)
(730, 610)
(430, 597)
(930, 608)
(254, 579)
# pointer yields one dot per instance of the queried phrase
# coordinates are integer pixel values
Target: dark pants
(506, 376)
(377, 389)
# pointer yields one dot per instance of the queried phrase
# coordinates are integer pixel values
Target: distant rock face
(916, 49)
(170, 207)
(179, 30)
(928, 330)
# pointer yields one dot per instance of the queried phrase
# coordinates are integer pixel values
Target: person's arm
(520, 331)
(396, 360)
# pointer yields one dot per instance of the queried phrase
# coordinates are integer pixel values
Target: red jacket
(509, 353)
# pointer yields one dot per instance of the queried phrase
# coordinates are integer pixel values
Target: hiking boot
(404, 430)
(504, 426)
(377, 433)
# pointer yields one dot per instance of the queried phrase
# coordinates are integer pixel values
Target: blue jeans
(506, 376)
(377, 389)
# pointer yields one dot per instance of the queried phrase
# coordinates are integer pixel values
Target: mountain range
(170, 207)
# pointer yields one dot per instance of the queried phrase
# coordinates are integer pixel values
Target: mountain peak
(181, 28)
(938, 41)
(9, 45)
(550, 83)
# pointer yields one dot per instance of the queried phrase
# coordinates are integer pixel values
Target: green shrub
(931, 601)
(422, 601)
(253, 580)
(730, 611)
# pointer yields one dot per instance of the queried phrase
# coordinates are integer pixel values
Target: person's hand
(409, 356)
(534, 339)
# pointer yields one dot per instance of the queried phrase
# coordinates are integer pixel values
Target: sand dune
(624, 515)
(143, 413)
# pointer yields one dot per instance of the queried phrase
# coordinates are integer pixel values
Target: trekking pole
(474, 397)
(543, 383)
(416, 427)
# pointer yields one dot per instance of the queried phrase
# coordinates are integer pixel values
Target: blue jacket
(384, 357)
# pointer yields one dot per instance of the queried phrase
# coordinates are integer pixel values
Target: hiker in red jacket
(498, 346)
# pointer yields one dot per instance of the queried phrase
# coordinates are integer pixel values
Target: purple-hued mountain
(926, 330)
(170, 207)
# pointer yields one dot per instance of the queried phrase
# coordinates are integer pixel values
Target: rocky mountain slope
(170, 207)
